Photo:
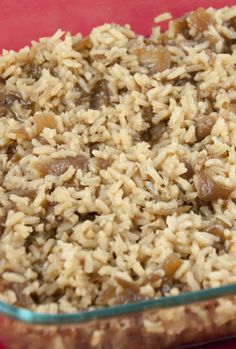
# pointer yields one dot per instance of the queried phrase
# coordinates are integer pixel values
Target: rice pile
(117, 164)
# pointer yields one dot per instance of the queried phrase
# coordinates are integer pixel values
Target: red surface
(24, 20)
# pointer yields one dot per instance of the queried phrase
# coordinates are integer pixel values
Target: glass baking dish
(171, 322)
(167, 323)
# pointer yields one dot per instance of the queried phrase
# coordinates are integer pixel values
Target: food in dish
(117, 164)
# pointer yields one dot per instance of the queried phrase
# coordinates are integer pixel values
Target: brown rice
(117, 164)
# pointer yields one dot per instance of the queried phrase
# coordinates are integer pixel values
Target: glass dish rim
(34, 318)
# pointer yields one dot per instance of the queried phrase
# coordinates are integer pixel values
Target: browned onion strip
(155, 60)
(57, 167)
(208, 189)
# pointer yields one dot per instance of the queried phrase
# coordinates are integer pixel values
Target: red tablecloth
(229, 344)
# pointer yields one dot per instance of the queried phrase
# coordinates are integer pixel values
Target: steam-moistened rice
(118, 164)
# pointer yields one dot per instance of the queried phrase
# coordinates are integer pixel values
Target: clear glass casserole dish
(170, 322)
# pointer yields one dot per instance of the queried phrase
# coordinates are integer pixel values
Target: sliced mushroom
(147, 113)
(32, 70)
(184, 81)
(7, 100)
(99, 95)
(153, 134)
(83, 99)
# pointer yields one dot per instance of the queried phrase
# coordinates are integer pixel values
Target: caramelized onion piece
(155, 60)
(1, 232)
(217, 230)
(152, 279)
(99, 57)
(208, 190)
(83, 44)
(3, 111)
(57, 167)
(2, 286)
(178, 210)
(171, 265)
(16, 158)
(204, 126)
(99, 95)
(102, 164)
(201, 19)
(126, 284)
(181, 26)
(11, 149)
(106, 295)
(190, 171)
(44, 120)
(131, 292)
(21, 134)
(114, 61)
(232, 23)
(31, 194)
(2, 81)
(232, 107)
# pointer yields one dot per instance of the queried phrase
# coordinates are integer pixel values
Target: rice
(117, 164)
(163, 17)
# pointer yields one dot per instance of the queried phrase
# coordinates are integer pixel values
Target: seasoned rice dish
(118, 164)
